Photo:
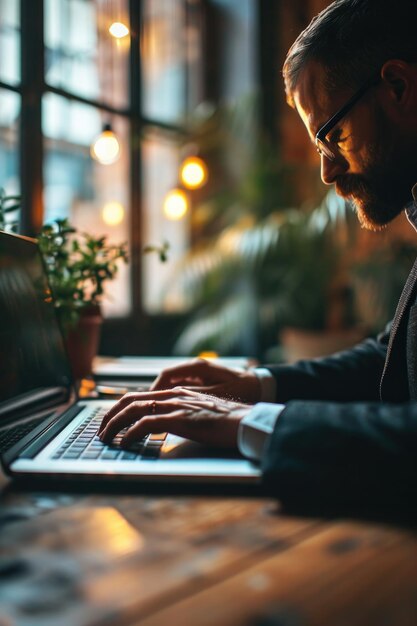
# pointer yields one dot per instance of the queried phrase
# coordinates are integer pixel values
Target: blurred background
(103, 104)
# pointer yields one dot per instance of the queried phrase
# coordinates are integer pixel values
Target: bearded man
(341, 429)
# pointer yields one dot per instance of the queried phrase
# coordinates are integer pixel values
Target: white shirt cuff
(268, 384)
(256, 428)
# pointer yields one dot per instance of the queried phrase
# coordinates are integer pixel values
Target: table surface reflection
(79, 558)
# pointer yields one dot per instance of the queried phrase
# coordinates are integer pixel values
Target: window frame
(32, 88)
(137, 331)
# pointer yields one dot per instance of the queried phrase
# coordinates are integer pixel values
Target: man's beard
(384, 189)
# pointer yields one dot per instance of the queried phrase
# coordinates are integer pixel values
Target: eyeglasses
(323, 145)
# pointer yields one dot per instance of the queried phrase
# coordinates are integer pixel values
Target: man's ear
(400, 78)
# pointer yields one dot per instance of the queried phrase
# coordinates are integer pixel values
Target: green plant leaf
(79, 265)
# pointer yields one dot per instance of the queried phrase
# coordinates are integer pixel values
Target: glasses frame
(322, 145)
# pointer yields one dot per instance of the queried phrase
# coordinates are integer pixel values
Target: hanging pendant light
(118, 30)
(175, 204)
(193, 172)
(106, 148)
(113, 213)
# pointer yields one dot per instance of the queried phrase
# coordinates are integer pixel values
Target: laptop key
(90, 454)
(129, 456)
(71, 454)
(84, 443)
(110, 454)
(157, 436)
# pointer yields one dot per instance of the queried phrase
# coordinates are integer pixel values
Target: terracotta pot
(82, 342)
(300, 344)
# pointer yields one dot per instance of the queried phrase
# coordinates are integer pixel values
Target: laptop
(50, 433)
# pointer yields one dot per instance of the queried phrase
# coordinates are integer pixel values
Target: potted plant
(78, 266)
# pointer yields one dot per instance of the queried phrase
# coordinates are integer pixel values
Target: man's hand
(216, 380)
(183, 412)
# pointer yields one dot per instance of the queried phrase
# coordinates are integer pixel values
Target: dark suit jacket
(348, 433)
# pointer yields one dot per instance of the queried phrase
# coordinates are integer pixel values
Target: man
(342, 428)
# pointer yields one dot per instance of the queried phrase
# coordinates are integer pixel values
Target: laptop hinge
(33, 401)
(30, 445)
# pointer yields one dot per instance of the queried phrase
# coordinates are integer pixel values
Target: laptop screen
(33, 360)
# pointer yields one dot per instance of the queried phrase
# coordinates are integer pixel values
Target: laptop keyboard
(10, 436)
(83, 443)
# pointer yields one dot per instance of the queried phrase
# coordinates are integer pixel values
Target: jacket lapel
(397, 342)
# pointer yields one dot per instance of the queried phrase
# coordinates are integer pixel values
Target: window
(172, 71)
(9, 97)
(160, 168)
(86, 72)
(9, 165)
(75, 79)
(10, 42)
(164, 61)
(81, 57)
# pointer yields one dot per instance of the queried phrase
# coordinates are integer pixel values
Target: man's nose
(330, 170)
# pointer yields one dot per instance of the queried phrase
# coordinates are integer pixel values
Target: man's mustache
(351, 185)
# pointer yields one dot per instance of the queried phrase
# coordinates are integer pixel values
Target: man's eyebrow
(335, 132)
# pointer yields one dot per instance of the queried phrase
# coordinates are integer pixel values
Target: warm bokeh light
(113, 213)
(193, 172)
(106, 148)
(175, 204)
(208, 354)
(118, 30)
(107, 526)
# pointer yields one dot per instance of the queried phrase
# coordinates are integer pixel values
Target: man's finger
(199, 371)
(125, 417)
(151, 424)
(136, 411)
(134, 396)
(117, 408)
(172, 376)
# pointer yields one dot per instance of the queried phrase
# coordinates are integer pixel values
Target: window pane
(78, 187)
(160, 172)
(9, 163)
(164, 60)
(10, 41)
(82, 57)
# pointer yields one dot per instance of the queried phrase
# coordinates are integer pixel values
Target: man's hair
(351, 40)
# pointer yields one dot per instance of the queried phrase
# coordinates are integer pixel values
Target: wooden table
(69, 559)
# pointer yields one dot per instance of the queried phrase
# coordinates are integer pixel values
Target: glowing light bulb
(106, 148)
(175, 204)
(118, 30)
(193, 172)
(113, 213)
